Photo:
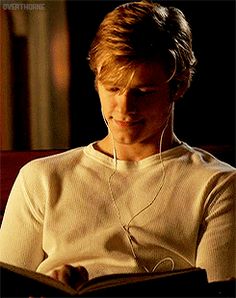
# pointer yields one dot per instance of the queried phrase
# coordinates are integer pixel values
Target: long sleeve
(21, 231)
(60, 212)
(216, 249)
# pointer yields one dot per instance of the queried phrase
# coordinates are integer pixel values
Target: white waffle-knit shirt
(61, 211)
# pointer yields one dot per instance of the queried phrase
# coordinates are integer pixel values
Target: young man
(139, 199)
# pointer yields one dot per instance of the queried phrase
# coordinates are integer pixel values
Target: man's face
(140, 112)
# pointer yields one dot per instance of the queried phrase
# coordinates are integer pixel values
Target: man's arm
(21, 230)
(216, 249)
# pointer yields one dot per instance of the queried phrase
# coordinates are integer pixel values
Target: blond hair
(138, 32)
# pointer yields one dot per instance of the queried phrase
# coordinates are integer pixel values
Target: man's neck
(135, 152)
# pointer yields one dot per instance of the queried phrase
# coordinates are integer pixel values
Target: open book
(18, 282)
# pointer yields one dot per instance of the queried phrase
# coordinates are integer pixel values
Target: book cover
(19, 282)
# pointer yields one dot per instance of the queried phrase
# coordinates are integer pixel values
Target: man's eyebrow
(107, 82)
(138, 86)
(112, 84)
(147, 86)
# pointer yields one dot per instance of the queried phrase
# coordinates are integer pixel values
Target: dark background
(205, 117)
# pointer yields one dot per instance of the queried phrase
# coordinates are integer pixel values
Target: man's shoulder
(54, 163)
(207, 161)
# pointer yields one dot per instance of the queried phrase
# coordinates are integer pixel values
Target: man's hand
(71, 276)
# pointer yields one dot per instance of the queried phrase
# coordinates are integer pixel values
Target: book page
(181, 281)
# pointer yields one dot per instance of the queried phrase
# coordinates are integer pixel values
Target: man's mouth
(127, 124)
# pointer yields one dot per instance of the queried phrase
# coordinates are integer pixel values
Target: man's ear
(181, 84)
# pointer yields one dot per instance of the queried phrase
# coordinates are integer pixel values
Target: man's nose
(126, 103)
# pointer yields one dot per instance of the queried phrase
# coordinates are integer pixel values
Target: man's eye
(145, 92)
(113, 89)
